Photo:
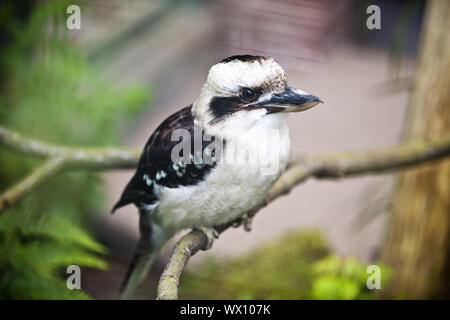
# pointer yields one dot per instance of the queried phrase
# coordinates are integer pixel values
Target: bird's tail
(144, 255)
(137, 272)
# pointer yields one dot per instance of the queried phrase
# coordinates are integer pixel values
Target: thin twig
(377, 161)
(76, 157)
(59, 158)
(50, 168)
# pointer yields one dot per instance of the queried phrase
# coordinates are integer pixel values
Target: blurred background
(134, 62)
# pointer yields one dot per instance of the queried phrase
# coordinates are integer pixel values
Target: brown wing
(156, 166)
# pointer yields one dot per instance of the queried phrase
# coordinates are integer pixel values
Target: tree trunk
(417, 243)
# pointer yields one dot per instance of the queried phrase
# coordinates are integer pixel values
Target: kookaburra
(244, 98)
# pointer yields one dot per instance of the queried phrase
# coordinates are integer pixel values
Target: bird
(184, 182)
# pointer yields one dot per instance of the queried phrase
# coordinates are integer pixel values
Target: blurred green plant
(33, 250)
(50, 91)
(297, 266)
(337, 278)
(279, 270)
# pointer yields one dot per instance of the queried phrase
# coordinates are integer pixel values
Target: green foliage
(298, 266)
(33, 250)
(343, 279)
(49, 91)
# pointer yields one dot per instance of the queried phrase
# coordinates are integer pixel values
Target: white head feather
(227, 79)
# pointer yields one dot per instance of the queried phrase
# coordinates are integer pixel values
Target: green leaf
(334, 288)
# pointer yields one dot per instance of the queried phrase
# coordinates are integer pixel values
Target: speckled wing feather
(156, 167)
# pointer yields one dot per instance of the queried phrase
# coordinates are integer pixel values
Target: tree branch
(325, 166)
(76, 157)
(59, 158)
(332, 166)
(342, 164)
(184, 249)
(50, 168)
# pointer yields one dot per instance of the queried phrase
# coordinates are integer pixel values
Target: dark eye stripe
(221, 107)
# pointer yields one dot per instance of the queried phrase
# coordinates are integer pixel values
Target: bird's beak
(290, 100)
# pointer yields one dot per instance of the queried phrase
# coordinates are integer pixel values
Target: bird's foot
(211, 235)
(245, 221)
(248, 223)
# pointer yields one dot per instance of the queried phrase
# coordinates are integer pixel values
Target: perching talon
(247, 223)
(237, 223)
(211, 235)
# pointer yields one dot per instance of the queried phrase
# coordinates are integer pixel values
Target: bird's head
(240, 90)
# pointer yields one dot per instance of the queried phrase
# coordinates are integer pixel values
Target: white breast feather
(229, 190)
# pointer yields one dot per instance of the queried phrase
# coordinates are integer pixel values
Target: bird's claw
(237, 223)
(245, 221)
(248, 223)
(211, 235)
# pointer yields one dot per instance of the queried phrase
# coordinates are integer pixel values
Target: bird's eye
(248, 94)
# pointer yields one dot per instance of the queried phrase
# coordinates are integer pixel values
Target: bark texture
(417, 245)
